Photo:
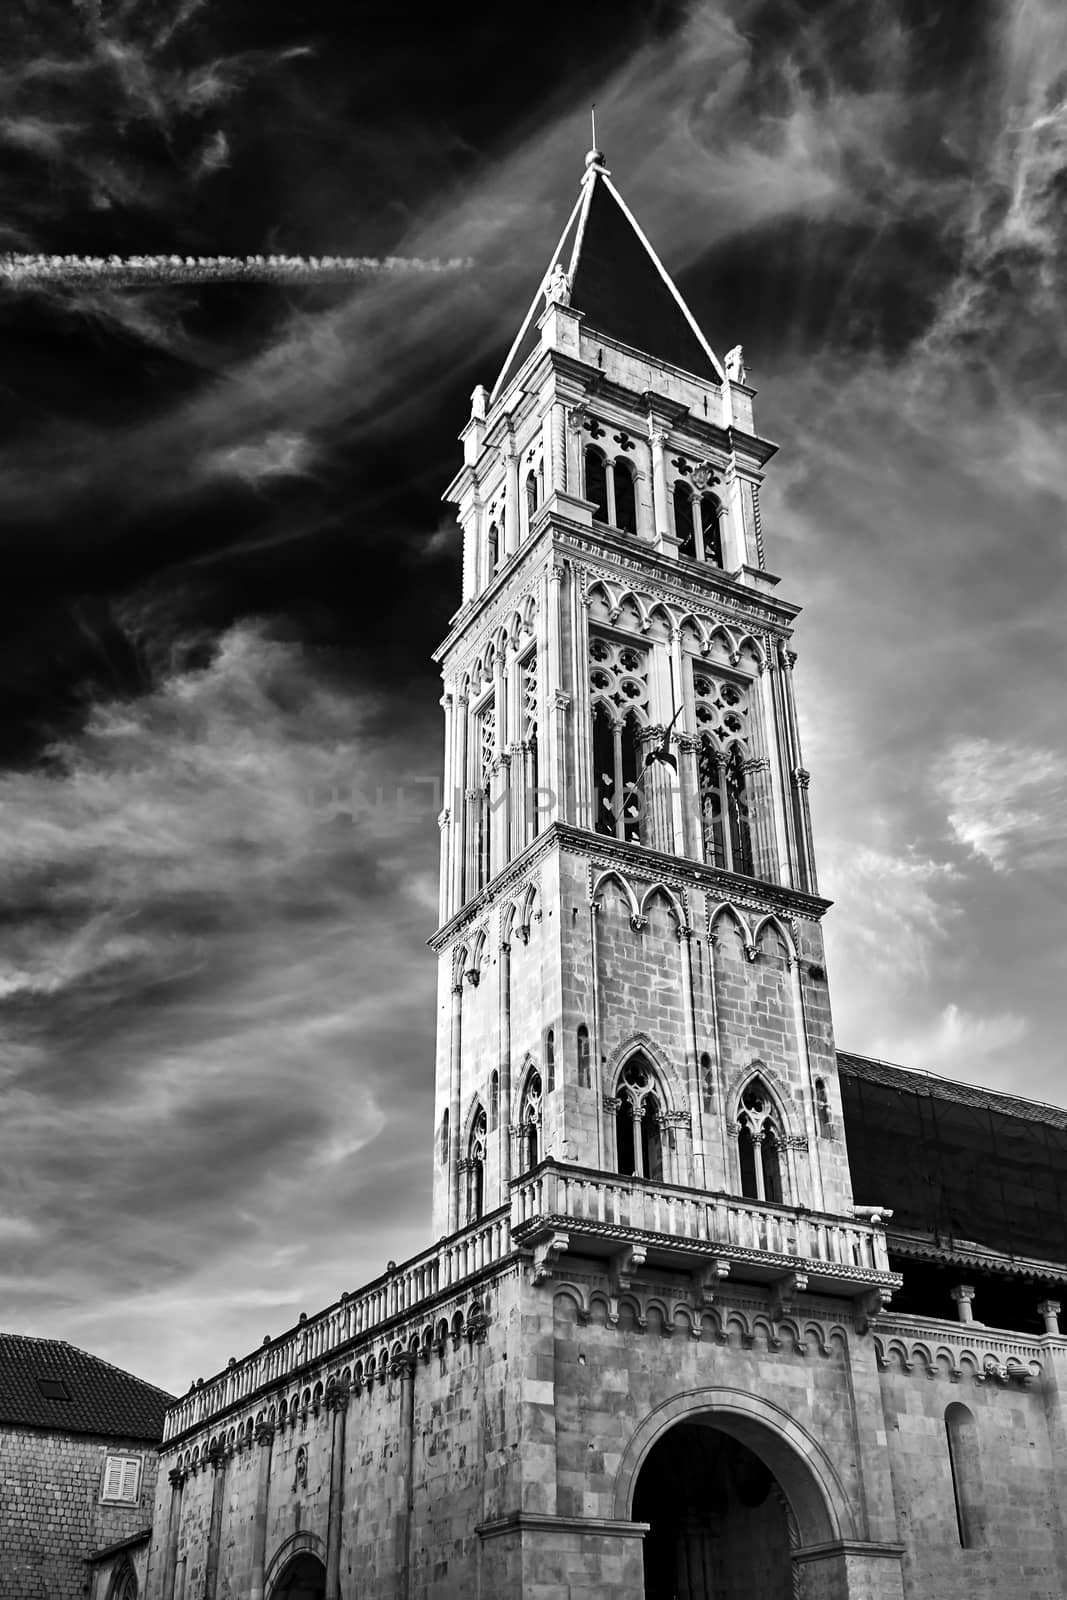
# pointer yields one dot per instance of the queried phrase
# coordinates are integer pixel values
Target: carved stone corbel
(707, 1280)
(628, 1262)
(784, 1291)
(547, 1253)
(870, 1306)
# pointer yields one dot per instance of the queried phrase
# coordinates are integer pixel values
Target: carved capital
(402, 1365)
(264, 1433)
(801, 777)
(870, 1306)
(177, 1476)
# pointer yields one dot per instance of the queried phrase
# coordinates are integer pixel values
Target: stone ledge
(545, 1522)
(849, 1547)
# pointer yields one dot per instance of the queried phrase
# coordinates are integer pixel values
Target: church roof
(957, 1162)
(618, 283)
(47, 1383)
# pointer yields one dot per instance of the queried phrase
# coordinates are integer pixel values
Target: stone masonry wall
(51, 1514)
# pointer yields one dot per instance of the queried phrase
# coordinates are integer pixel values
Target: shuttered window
(122, 1479)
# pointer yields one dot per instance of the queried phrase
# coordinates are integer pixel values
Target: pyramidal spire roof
(618, 283)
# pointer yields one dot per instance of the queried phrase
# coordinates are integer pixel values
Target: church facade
(655, 1351)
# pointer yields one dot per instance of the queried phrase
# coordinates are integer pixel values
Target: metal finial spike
(592, 118)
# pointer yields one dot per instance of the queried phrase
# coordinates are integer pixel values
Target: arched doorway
(721, 1526)
(302, 1578)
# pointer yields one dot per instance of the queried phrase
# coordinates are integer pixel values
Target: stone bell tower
(631, 961)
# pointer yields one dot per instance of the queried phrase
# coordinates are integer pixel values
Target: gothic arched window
(530, 1123)
(596, 482)
(711, 534)
(759, 1145)
(528, 721)
(618, 680)
(625, 497)
(639, 1121)
(476, 1167)
(684, 526)
(583, 1056)
(493, 550)
(722, 714)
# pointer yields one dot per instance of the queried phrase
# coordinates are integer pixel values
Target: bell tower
(631, 961)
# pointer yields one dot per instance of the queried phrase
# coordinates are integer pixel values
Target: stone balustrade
(391, 1296)
(750, 1237)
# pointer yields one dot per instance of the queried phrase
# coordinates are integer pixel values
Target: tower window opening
(550, 1060)
(625, 497)
(583, 1056)
(619, 684)
(822, 1107)
(530, 1123)
(639, 1122)
(494, 1101)
(476, 1167)
(444, 1140)
(684, 524)
(596, 482)
(710, 530)
(962, 1434)
(723, 752)
(707, 1081)
(759, 1145)
(531, 498)
(493, 548)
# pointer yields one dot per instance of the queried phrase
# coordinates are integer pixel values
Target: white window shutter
(131, 1476)
(113, 1477)
(122, 1478)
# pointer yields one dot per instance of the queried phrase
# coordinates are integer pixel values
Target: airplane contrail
(135, 270)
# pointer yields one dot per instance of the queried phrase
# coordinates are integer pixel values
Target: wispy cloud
(203, 972)
(1007, 802)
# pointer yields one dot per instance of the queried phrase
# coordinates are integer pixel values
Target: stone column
(337, 1402)
(575, 477)
(454, 1068)
(265, 1441)
(963, 1294)
(403, 1368)
(1049, 1310)
(214, 1536)
(557, 698)
(174, 1522)
(658, 438)
(456, 801)
(556, 463)
(511, 498)
(504, 1069)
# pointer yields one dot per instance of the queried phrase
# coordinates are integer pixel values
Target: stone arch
(124, 1585)
(725, 915)
(669, 1080)
(303, 1545)
(625, 887)
(674, 905)
(773, 924)
(776, 1086)
(806, 1474)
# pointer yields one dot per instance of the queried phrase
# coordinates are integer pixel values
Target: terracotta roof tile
(47, 1383)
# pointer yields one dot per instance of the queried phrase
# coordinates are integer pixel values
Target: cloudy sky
(226, 564)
